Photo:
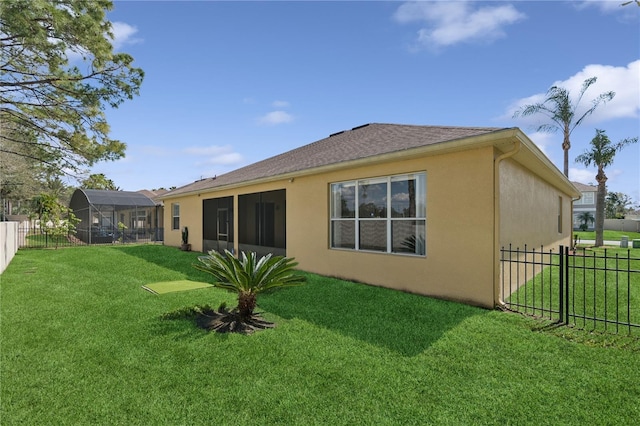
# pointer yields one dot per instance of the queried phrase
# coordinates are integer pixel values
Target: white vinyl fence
(8, 243)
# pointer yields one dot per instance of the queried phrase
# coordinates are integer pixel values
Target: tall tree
(601, 154)
(99, 181)
(561, 110)
(58, 74)
(617, 205)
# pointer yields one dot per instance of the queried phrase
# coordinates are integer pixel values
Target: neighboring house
(157, 219)
(423, 209)
(100, 212)
(586, 203)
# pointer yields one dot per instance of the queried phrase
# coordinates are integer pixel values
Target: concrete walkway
(606, 243)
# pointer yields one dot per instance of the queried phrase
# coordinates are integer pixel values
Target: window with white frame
(175, 216)
(586, 198)
(383, 214)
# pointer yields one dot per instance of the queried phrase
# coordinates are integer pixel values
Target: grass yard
(83, 344)
(603, 283)
(607, 235)
(38, 240)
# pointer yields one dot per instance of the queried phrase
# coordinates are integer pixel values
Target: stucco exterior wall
(529, 208)
(458, 257)
(190, 216)
(459, 227)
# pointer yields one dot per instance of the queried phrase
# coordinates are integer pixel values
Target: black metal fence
(31, 235)
(589, 289)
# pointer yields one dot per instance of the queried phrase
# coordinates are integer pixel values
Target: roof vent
(336, 133)
(360, 127)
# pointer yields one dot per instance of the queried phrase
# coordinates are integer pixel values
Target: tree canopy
(617, 205)
(58, 74)
(559, 108)
(99, 181)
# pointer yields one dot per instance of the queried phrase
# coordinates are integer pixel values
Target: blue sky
(231, 83)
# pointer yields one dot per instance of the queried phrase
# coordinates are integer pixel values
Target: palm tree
(585, 219)
(557, 106)
(248, 277)
(601, 154)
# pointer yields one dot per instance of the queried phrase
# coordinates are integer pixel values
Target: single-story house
(107, 216)
(423, 209)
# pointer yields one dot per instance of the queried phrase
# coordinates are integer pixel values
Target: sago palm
(248, 276)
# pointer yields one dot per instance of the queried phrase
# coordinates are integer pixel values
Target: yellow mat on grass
(172, 286)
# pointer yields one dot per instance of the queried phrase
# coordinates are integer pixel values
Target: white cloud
(276, 117)
(123, 34)
(449, 23)
(588, 177)
(623, 81)
(542, 141)
(214, 154)
(400, 197)
(609, 6)
(280, 104)
(223, 159)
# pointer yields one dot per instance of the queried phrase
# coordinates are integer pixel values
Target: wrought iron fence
(590, 289)
(31, 235)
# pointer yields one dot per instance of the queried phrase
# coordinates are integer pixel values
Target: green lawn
(38, 240)
(607, 235)
(603, 283)
(83, 344)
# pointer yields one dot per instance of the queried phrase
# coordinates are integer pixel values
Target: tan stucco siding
(190, 216)
(460, 261)
(529, 208)
(459, 235)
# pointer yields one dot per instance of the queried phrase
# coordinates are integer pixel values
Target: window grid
(175, 216)
(419, 219)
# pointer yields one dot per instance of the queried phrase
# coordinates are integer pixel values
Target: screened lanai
(116, 216)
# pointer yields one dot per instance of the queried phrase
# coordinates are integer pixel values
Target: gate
(591, 290)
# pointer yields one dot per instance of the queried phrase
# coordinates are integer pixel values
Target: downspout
(497, 297)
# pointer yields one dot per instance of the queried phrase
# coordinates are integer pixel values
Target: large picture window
(384, 214)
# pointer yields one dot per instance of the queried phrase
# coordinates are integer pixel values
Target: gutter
(497, 299)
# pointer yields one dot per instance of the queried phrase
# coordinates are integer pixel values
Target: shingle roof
(154, 195)
(585, 188)
(361, 142)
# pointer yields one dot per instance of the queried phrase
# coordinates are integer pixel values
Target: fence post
(561, 285)
(566, 284)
